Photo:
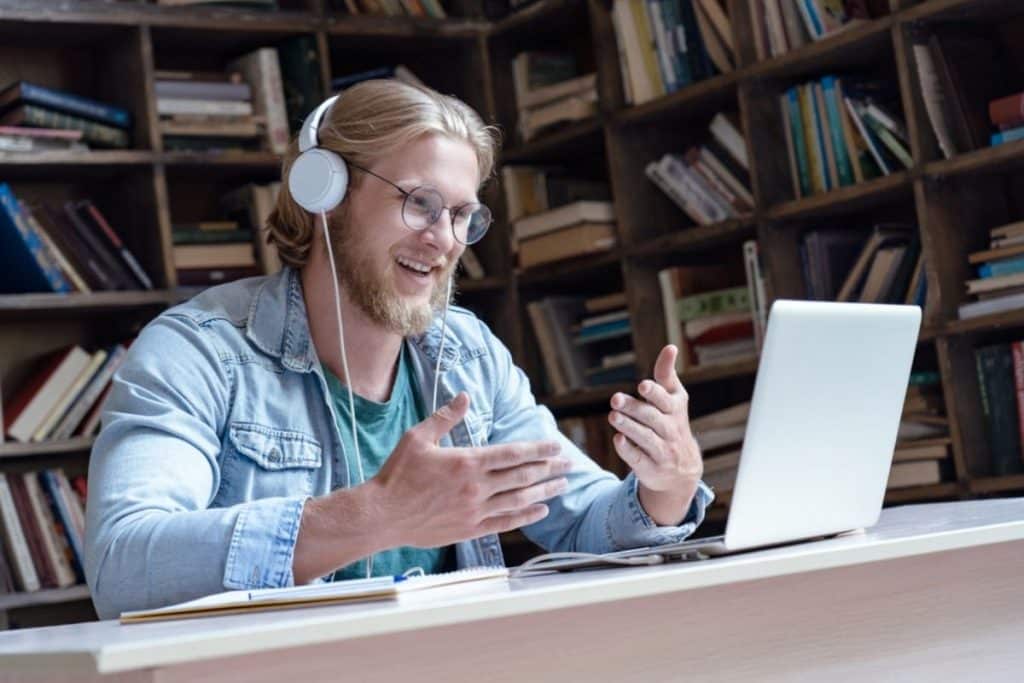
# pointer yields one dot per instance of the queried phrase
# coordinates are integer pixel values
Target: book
(577, 240)
(562, 217)
(353, 590)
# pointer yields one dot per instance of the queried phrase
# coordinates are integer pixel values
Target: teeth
(415, 265)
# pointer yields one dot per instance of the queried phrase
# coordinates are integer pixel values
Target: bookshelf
(144, 188)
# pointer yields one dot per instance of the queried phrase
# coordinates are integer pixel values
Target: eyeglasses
(423, 206)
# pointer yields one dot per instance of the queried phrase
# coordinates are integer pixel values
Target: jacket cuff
(263, 544)
(629, 525)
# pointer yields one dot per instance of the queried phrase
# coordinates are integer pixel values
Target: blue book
(835, 127)
(1007, 266)
(27, 266)
(677, 37)
(1011, 135)
(30, 93)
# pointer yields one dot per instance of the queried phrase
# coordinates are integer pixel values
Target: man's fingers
(506, 455)
(656, 395)
(512, 520)
(643, 412)
(665, 369)
(632, 455)
(513, 501)
(527, 474)
(447, 416)
(640, 435)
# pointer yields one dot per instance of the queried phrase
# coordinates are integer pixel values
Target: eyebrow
(409, 184)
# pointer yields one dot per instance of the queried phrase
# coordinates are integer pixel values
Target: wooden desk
(931, 592)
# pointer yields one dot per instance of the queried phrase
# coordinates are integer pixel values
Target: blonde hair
(369, 121)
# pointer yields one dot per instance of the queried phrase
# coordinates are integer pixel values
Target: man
(228, 453)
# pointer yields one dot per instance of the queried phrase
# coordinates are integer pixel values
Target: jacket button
(274, 455)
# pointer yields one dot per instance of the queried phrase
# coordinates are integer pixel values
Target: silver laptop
(822, 429)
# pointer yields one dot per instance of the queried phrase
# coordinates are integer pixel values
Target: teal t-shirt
(381, 426)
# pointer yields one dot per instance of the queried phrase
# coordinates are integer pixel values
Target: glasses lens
(422, 208)
(471, 223)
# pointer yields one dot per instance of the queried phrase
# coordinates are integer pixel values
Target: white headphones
(318, 178)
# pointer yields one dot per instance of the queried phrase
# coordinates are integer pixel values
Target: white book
(262, 70)
(584, 211)
(730, 138)
(167, 106)
(688, 205)
(353, 590)
(62, 405)
(556, 91)
(14, 539)
(39, 406)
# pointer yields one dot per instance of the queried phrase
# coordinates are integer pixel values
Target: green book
(731, 300)
(300, 76)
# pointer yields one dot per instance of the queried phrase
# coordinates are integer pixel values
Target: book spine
(996, 367)
(49, 271)
(1017, 348)
(118, 245)
(799, 141)
(96, 246)
(75, 104)
(15, 540)
(835, 125)
(92, 132)
(736, 299)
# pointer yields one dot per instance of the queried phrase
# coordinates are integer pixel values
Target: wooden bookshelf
(953, 202)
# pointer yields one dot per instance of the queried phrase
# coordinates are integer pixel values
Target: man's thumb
(446, 417)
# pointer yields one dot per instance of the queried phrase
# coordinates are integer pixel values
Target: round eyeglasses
(423, 206)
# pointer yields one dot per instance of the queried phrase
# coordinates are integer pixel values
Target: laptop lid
(823, 420)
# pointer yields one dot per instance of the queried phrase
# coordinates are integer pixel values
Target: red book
(1006, 110)
(28, 390)
(33, 534)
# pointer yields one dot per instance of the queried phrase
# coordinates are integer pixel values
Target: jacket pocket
(265, 462)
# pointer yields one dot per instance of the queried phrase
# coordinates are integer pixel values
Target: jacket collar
(279, 326)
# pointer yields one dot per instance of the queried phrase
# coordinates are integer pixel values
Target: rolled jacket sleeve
(151, 536)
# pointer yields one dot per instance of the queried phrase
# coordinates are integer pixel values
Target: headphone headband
(308, 136)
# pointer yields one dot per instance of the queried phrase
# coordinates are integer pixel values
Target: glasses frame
(452, 210)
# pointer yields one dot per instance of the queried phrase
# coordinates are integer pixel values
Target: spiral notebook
(353, 590)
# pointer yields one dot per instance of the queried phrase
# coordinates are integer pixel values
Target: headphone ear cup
(318, 180)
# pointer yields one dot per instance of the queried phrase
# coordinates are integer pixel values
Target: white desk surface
(107, 647)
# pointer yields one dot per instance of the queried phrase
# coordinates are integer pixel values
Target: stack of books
(665, 45)
(392, 8)
(840, 132)
(555, 216)
(213, 252)
(62, 247)
(784, 25)
(720, 435)
(1000, 369)
(62, 396)
(549, 91)
(583, 342)
(577, 229)
(81, 120)
(1007, 114)
(1000, 269)
(922, 454)
(708, 321)
(241, 108)
(42, 523)
(711, 181)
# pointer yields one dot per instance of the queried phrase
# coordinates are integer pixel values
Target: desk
(931, 592)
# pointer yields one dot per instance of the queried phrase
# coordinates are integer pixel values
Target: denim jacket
(219, 427)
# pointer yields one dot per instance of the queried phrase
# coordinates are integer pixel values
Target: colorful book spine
(835, 126)
(93, 132)
(75, 104)
(29, 268)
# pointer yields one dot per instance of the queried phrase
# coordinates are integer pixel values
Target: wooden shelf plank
(58, 158)
(532, 15)
(695, 238)
(986, 485)
(25, 450)
(844, 199)
(984, 323)
(551, 144)
(596, 397)
(988, 160)
(712, 373)
(48, 596)
(228, 158)
(14, 304)
(822, 54)
(697, 95)
(403, 27)
(912, 494)
(958, 10)
(102, 13)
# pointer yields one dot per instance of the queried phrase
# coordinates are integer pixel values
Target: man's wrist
(667, 508)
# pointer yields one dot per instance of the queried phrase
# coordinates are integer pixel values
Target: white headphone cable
(344, 364)
(440, 349)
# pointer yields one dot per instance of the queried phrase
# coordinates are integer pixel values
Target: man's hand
(655, 440)
(431, 496)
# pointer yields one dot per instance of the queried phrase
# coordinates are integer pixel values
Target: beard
(374, 293)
